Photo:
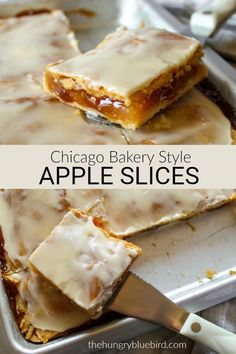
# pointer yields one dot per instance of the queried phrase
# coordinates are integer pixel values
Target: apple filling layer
(141, 104)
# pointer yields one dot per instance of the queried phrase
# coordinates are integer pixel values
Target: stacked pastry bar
(130, 76)
(29, 216)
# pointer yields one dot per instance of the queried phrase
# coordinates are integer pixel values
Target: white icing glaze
(83, 199)
(50, 122)
(34, 42)
(26, 218)
(194, 119)
(128, 60)
(20, 87)
(126, 213)
(83, 262)
(47, 307)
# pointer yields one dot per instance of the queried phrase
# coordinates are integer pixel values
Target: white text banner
(118, 166)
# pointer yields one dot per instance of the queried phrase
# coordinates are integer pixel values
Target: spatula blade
(138, 299)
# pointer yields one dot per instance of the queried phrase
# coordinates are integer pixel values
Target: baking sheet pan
(175, 258)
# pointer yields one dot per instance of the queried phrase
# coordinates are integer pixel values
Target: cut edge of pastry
(210, 205)
(148, 99)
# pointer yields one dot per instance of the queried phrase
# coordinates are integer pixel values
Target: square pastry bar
(130, 76)
(84, 261)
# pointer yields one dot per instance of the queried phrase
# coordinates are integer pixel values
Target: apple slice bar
(83, 260)
(130, 76)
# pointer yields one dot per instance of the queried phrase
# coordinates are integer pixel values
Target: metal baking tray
(176, 257)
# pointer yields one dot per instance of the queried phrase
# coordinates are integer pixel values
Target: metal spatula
(138, 299)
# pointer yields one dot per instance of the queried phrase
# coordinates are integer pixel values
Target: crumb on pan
(210, 274)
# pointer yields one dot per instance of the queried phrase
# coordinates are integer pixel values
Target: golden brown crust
(233, 134)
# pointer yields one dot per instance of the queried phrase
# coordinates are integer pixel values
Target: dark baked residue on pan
(211, 92)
